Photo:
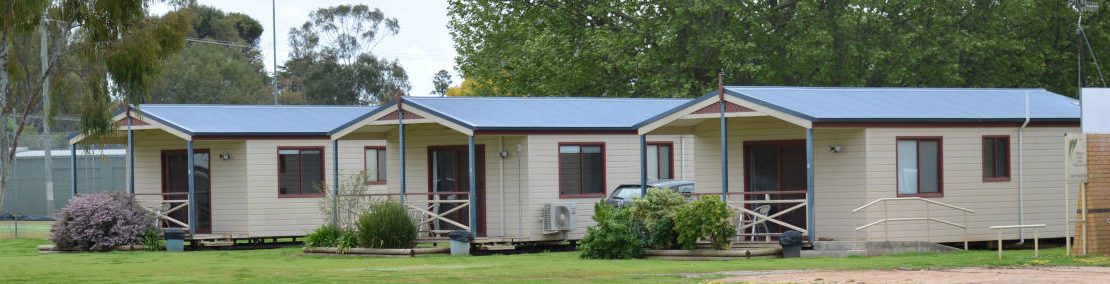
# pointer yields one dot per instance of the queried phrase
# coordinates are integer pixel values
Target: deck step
(217, 243)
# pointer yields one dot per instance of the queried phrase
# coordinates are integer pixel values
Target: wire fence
(12, 229)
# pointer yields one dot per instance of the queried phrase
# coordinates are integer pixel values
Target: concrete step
(839, 245)
(833, 253)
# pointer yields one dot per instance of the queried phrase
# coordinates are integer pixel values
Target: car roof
(660, 183)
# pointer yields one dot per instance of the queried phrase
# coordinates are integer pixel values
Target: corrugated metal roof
(911, 104)
(253, 120)
(547, 113)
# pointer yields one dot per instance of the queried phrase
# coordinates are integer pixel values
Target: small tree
(351, 204)
(441, 81)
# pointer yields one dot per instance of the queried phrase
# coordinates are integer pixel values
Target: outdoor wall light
(836, 148)
(225, 156)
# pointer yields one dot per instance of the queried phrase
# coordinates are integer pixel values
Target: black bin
(791, 242)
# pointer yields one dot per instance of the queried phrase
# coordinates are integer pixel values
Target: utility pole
(273, 29)
(46, 137)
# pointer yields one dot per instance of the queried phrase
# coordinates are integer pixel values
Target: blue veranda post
(724, 136)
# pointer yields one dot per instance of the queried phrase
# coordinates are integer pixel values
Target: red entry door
(175, 179)
(776, 167)
(449, 171)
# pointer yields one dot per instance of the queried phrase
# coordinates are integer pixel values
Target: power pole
(273, 29)
(46, 141)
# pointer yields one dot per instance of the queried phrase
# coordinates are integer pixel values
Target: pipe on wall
(1021, 170)
(501, 181)
(520, 189)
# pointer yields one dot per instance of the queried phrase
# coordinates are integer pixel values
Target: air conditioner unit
(558, 218)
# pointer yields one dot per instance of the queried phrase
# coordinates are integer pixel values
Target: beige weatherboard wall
(244, 194)
(864, 170)
(519, 186)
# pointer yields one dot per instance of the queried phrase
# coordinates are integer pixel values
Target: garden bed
(711, 254)
(376, 252)
(56, 249)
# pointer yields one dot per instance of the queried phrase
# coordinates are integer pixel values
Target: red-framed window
(996, 158)
(581, 170)
(920, 167)
(374, 164)
(300, 171)
(660, 160)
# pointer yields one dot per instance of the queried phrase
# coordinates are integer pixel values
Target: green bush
(707, 218)
(656, 212)
(324, 236)
(152, 239)
(615, 236)
(386, 225)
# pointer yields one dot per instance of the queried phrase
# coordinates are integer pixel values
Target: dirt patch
(963, 275)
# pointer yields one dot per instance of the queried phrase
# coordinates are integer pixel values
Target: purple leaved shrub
(101, 221)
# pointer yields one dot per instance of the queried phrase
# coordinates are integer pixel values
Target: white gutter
(1021, 171)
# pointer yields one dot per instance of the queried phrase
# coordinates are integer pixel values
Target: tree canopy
(222, 63)
(677, 48)
(332, 60)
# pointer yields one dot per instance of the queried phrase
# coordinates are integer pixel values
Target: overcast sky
(423, 45)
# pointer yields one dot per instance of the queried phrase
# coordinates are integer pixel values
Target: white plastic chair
(749, 218)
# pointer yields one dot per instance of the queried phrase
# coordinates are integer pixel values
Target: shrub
(324, 236)
(152, 239)
(707, 218)
(386, 225)
(656, 212)
(615, 236)
(101, 221)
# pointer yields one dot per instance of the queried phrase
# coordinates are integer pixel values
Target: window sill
(996, 179)
(380, 182)
(572, 196)
(924, 195)
(310, 195)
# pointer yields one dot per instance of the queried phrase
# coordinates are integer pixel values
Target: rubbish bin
(791, 242)
(175, 239)
(460, 242)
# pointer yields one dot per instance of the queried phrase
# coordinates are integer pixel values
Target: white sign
(1076, 144)
(1096, 110)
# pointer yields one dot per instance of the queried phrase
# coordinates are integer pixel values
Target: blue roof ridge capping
(252, 120)
(544, 113)
(895, 104)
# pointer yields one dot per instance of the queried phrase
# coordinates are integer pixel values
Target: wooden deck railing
(432, 212)
(744, 204)
(164, 204)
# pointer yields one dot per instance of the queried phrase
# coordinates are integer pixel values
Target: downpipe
(1021, 171)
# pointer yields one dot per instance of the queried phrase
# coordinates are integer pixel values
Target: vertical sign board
(1077, 157)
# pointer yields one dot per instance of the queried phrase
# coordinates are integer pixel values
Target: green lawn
(19, 262)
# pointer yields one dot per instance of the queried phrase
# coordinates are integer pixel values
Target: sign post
(1075, 169)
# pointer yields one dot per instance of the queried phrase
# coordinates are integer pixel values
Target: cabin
(258, 171)
(881, 164)
(516, 169)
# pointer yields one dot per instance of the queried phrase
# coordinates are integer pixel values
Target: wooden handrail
(911, 219)
(912, 198)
